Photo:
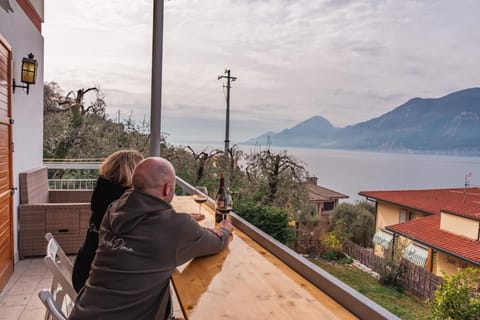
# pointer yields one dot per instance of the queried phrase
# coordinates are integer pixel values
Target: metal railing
(72, 184)
(93, 163)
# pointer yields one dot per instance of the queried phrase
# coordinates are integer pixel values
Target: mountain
(450, 124)
(307, 131)
(263, 139)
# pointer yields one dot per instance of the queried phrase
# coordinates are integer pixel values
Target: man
(141, 241)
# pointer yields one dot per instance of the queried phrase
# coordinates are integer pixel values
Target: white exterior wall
(27, 110)
(459, 225)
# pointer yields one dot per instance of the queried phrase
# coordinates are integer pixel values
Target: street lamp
(29, 73)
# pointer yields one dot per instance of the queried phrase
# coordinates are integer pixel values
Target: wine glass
(200, 196)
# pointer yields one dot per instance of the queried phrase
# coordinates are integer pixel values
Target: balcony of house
(255, 277)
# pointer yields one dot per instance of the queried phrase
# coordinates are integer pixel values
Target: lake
(350, 172)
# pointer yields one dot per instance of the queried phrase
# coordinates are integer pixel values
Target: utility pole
(227, 122)
(157, 64)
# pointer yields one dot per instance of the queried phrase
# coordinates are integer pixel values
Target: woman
(115, 177)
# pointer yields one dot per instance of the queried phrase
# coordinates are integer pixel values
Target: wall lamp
(29, 73)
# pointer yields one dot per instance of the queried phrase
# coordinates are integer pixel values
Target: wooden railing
(418, 280)
(364, 255)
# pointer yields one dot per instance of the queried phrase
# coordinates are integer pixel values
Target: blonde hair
(118, 166)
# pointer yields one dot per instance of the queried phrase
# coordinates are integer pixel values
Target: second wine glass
(200, 196)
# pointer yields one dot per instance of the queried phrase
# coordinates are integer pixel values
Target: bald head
(155, 176)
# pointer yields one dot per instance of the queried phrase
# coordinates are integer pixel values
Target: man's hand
(226, 224)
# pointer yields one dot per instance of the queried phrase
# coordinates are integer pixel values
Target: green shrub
(333, 246)
(457, 298)
(271, 220)
(356, 220)
(389, 267)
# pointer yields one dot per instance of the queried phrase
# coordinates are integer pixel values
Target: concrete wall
(27, 110)
(449, 265)
(445, 263)
(459, 225)
(387, 214)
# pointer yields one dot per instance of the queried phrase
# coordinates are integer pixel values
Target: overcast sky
(345, 60)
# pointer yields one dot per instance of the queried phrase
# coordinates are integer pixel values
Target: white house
(21, 114)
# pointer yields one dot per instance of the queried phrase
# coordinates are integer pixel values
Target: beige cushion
(34, 186)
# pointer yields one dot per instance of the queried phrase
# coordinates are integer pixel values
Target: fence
(93, 164)
(364, 255)
(417, 280)
(413, 278)
(310, 247)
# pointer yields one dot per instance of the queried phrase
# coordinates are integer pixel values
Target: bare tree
(281, 173)
(75, 127)
(201, 159)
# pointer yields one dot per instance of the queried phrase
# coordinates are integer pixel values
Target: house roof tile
(427, 231)
(317, 193)
(459, 201)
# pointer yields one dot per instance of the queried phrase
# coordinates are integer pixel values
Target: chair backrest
(34, 186)
(61, 267)
(52, 307)
(54, 249)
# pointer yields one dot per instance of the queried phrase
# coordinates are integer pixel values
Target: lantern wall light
(29, 73)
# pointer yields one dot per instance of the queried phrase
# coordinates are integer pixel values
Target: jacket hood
(133, 207)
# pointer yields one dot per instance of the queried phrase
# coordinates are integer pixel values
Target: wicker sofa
(64, 213)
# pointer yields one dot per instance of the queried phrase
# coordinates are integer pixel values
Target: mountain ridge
(449, 124)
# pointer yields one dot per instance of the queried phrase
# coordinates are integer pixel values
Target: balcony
(256, 277)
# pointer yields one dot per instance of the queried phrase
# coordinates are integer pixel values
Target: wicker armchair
(64, 213)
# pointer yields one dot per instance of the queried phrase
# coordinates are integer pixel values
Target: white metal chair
(53, 308)
(61, 254)
(61, 267)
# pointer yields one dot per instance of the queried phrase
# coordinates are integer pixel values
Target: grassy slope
(391, 299)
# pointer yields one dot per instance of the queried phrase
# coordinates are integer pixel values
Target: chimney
(312, 180)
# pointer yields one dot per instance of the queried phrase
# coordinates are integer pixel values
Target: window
(451, 260)
(406, 215)
(327, 206)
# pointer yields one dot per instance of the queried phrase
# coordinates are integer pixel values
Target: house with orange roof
(323, 199)
(438, 229)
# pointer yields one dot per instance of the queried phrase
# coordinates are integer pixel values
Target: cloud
(345, 60)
